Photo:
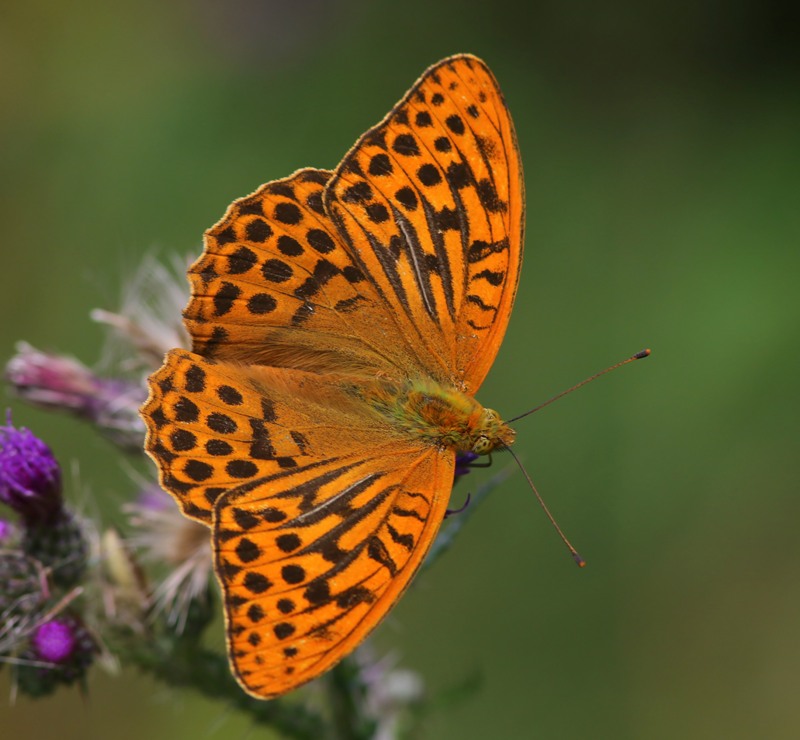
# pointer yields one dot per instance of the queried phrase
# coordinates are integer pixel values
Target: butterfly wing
(275, 286)
(311, 559)
(321, 513)
(431, 201)
(405, 260)
(214, 425)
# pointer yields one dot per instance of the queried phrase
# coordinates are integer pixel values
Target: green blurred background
(661, 144)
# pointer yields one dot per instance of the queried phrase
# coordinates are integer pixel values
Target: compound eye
(481, 445)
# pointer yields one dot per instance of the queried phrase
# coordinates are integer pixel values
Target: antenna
(581, 563)
(638, 356)
(575, 555)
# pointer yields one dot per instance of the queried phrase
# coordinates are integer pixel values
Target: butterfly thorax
(440, 415)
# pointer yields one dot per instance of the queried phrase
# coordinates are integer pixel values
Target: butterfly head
(490, 433)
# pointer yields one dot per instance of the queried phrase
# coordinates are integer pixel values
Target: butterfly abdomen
(440, 416)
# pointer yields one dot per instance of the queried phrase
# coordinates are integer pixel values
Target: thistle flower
(163, 535)
(8, 532)
(23, 590)
(50, 548)
(63, 383)
(60, 650)
(30, 478)
(463, 462)
(30, 483)
(389, 691)
(149, 322)
(147, 325)
(53, 641)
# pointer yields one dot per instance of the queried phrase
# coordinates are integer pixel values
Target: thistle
(30, 484)
(60, 651)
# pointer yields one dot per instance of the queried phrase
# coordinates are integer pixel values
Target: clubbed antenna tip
(638, 356)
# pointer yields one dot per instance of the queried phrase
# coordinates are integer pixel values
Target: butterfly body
(341, 324)
(440, 416)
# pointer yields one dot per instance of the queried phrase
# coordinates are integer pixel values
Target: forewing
(276, 286)
(311, 559)
(431, 203)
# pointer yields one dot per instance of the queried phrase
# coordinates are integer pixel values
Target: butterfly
(341, 323)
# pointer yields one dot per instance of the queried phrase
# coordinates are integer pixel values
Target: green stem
(180, 663)
(346, 693)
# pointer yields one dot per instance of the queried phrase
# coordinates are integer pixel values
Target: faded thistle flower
(147, 325)
(149, 322)
(63, 383)
(161, 534)
(390, 693)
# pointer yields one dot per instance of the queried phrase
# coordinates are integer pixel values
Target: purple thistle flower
(7, 532)
(59, 651)
(30, 478)
(463, 461)
(54, 641)
(30, 483)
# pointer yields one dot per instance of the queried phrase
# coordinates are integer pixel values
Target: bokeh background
(661, 144)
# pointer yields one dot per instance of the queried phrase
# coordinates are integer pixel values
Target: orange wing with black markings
(432, 202)
(309, 557)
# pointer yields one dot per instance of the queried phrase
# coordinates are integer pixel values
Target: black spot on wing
(479, 250)
(490, 276)
(478, 301)
(404, 540)
(378, 552)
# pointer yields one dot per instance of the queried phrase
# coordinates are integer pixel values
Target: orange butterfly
(341, 324)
